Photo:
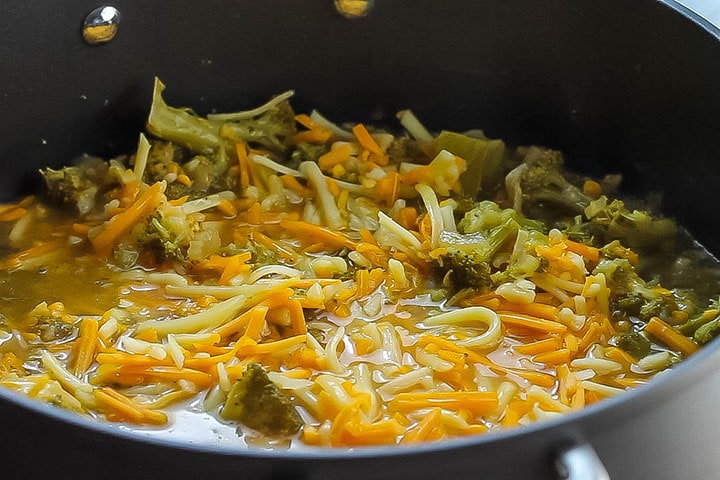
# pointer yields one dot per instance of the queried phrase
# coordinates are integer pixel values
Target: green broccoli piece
(77, 186)
(160, 241)
(467, 261)
(208, 174)
(634, 343)
(273, 129)
(482, 232)
(51, 329)
(487, 215)
(704, 326)
(626, 304)
(125, 256)
(634, 229)
(484, 161)
(661, 307)
(306, 152)
(461, 268)
(406, 149)
(707, 332)
(539, 189)
(261, 255)
(258, 403)
(623, 280)
(631, 296)
(161, 155)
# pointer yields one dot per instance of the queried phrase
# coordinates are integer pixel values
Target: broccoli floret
(258, 403)
(406, 149)
(615, 249)
(487, 215)
(77, 186)
(631, 296)
(207, 175)
(626, 304)
(661, 307)
(307, 152)
(464, 269)
(634, 343)
(482, 232)
(125, 256)
(261, 255)
(623, 280)
(160, 158)
(160, 241)
(272, 129)
(522, 262)
(539, 189)
(707, 332)
(634, 229)
(50, 329)
(467, 261)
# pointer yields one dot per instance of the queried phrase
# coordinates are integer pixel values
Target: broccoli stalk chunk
(255, 401)
(483, 157)
(272, 128)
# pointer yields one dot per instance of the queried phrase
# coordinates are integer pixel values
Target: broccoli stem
(180, 126)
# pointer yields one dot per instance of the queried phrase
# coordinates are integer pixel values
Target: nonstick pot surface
(619, 86)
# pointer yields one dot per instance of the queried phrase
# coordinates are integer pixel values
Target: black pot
(619, 86)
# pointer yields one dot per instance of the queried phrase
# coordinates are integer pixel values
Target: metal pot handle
(580, 462)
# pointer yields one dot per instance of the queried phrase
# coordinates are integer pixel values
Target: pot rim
(659, 390)
(699, 20)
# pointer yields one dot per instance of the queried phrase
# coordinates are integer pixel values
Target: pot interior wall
(618, 86)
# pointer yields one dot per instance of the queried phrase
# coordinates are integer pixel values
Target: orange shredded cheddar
(366, 140)
(671, 337)
(316, 135)
(592, 189)
(429, 428)
(16, 261)
(310, 232)
(12, 214)
(478, 403)
(532, 323)
(293, 184)
(86, 345)
(126, 409)
(540, 346)
(305, 120)
(244, 162)
(334, 157)
(121, 223)
(561, 355)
